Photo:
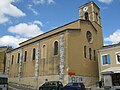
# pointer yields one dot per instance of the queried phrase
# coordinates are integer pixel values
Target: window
(12, 59)
(94, 55)
(25, 56)
(105, 59)
(118, 58)
(86, 16)
(18, 57)
(33, 56)
(56, 48)
(90, 53)
(96, 16)
(43, 53)
(85, 51)
(89, 36)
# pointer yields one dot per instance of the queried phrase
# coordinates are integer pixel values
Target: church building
(67, 53)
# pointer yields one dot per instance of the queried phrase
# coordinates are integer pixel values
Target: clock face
(89, 36)
(85, 9)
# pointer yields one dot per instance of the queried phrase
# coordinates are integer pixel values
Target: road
(21, 87)
(12, 86)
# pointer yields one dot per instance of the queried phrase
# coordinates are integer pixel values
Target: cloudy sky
(23, 19)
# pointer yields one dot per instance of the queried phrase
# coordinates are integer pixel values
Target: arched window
(56, 48)
(85, 51)
(43, 53)
(33, 56)
(25, 56)
(86, 16)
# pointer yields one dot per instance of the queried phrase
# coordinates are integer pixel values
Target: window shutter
(103, 59)
(108, 58)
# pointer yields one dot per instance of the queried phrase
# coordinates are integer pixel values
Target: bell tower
(90, 11)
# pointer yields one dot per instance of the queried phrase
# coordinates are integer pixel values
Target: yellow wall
(77, 41)
(113, 63)
(2, 58)
(13, 71)
(47, 66)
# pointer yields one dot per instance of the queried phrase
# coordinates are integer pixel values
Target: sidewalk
(94, 88)
(21, 86)
(97, 88)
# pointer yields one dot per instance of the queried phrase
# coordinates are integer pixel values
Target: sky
(21, 20)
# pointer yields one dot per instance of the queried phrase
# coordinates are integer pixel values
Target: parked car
(3, 82)
(51, 85)
(74, 86)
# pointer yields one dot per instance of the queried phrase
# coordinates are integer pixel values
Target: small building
(109, 66)
(3, 50)
(66, 53)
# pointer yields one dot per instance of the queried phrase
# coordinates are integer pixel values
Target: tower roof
(89, 3)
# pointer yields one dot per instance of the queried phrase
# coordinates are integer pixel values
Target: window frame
(25, 56)
(90, 53)
(43, 51)
(12, 60)
(96, 16)
(89, 36)
(54, 48)
(107, 60)
(33, 53)
(117, 62)
(86, 15)
(18, 58)
(85, 51)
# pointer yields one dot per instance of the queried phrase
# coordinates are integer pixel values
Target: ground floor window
(116, 79)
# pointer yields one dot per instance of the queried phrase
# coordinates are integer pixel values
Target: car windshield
(3, 80)
(50, 83)
(46, 84)
(53, 83)
(75, 84)
(72, 84)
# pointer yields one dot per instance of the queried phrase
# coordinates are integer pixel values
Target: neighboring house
(109, 65)
(3, 50)
(66, 53)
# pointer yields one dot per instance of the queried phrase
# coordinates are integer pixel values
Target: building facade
(3, 50)
(109, 65)
(66, 53)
